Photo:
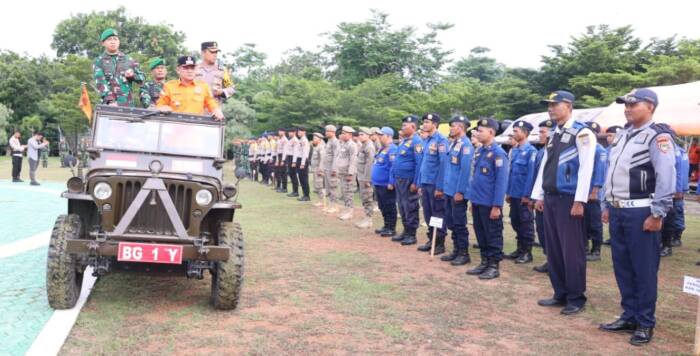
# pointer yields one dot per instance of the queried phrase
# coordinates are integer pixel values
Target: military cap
(435, 118)
(154, 62)
(185, 61)
(547, 123)
(523, 125)
(613, 129)
(459, 118)
(388, 131)
(594, 126)
(318, 134)
(489, 122)
(348, 129)
(559, 96)
(292, 129)
(375, 131)
(365, 130)
(211, 46)
(108, 33)
(410, 118)
(301, 128)
(638, 95)
(331, 128)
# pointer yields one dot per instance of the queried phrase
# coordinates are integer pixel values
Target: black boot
(491, 270)
(409, 239)
(450, 257)
(542, 269)
(515, 254)
(525, 256)
(388, 233)
(676, 241)
(304, 198)
(426, 247)
(399, 238)
(379, 231)
(666, 251)
(480, 268)
(462, 259)
(594, 255)
(439, 245)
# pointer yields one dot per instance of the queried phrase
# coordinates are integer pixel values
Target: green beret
(107, 34)
(154, 62)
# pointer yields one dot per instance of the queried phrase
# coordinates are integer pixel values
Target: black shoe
(542, 269)
(524, 258)
(606, 242)
(282, 191)
(551, 302)
(594, 255)
(619, 325)
(450, 257)
(388, 233)
(513, 255)
(491, 271)
(676, 242)
(304, 199)
(17, 181)
(425, 248)
(571, 310)
(401, 237)
(475, 246)
(34, 183)
(461, 260)
(379, 231)
(293, 195)
(666, 251)
(409, 240)
(478, 270)
(439, 250)
(642, 336)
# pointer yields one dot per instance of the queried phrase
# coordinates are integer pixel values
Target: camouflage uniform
(365, 160)
(149, 93)
(62, 152)
(110, 79)
(44, 154)
(315, 168)
(346, 166)
(329, 157)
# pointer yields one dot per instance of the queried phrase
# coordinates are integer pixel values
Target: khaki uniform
(365, 160)
(214, 76)
(345, 166)
(327, 163)
(315, 168)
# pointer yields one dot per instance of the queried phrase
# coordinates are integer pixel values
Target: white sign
(435, 222)
(691, 285)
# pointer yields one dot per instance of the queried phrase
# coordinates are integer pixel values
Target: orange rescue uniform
(191, 98)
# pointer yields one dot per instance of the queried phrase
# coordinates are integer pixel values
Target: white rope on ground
(16, 247)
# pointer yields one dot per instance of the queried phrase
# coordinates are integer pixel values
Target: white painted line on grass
(16, 247)
(56, 330)
(32, 189)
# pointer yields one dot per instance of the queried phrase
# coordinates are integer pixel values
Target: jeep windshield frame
(139, 130)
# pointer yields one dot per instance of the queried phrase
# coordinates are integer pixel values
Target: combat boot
(594, 254)
(525, 257)
(515, 254)
(478, 270)
(450, 257)
(388, 233)
(381, 230)
(333, 209)
(544, 268)
(365, 223)
(318, 204)
(491, 270)
(400, 237)
(462, 259)
(409, 239)
(346, 215)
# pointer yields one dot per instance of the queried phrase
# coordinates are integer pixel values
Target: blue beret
(559, 96)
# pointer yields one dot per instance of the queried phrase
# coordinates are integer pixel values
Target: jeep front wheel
(227, 276)
(63, 279)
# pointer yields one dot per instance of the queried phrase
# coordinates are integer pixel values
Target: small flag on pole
(84, 103)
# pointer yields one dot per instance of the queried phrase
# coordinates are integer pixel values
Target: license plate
(149, 253)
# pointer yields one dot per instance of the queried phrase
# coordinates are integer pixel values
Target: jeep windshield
(168, 137)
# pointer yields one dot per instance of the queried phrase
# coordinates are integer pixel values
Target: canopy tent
(582, 115)
(679, 106)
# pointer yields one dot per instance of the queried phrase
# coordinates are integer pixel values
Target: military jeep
(152, 200)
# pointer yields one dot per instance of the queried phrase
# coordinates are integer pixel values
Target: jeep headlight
(102, 191)
(203, 197)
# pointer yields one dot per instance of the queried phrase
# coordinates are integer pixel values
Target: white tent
(679, 106)
(582, 115)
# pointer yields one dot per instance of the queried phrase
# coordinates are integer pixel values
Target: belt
(632, 203)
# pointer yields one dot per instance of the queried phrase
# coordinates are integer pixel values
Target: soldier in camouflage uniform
(44, 155)
(365, 160)
(345, 167)
(115, 72)
(150, 91)
(317, 153)
(82, 152)
(245, 153)
(62, 152)
(330, 177)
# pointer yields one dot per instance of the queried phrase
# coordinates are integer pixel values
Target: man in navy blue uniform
(405, 171)
(610, 133)
(487, 192)
(383, 181)
(546, 129)
(638, 193)
(523, 157)
(592, 210)
(674, 222)
(432, 181)
(561, 190)
(457, 177)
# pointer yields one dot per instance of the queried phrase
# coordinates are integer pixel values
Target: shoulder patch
(499, 162)
(663, 143)
(465, 150)
(583, 138)
(442, 148)
(419, 148)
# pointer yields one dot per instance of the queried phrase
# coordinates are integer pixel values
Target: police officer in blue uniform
(561, 190)
(457, 178)
(432, 181)
(546, 129)
(593, 210)
(637, 199)
(523, 157)
(487, 193)
(674, 222)
(383, 182)
(405, 171)
(610, 133)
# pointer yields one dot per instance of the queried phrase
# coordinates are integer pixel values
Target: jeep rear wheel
(227, 276)
(63, 278)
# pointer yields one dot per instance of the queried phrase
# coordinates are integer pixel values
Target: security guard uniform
(405, 172)
(488, 190)
(457, 179)
(674, 222)
(539, 216)
(432, 180)
(592, 213)
(639, 185)
(384, 184)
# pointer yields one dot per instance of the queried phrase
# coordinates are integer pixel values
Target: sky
(517, 32)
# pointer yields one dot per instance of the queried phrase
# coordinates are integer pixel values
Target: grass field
(316, 285)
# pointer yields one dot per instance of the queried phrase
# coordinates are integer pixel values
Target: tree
(478, 65)
(5, 114)
(31, 124)
(239, 118)
(246, 60)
